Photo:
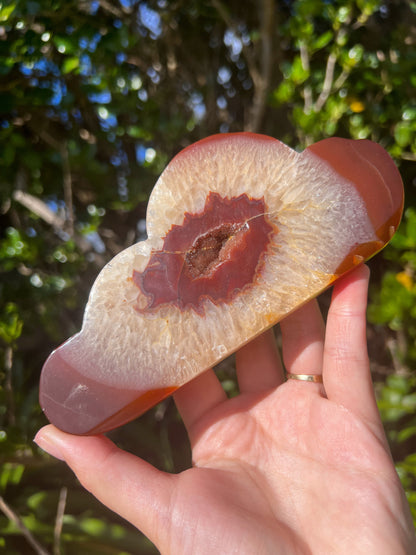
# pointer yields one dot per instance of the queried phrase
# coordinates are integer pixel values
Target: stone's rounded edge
(358, 255)
(130, 410)
(220, 138)
(79, 405)
(199, 152)
(375, 176)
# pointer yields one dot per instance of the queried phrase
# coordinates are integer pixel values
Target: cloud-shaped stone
(242, 230)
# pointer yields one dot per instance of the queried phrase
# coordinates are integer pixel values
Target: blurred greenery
(95, 98)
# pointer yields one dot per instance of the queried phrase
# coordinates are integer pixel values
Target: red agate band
(374, 175)
(212, 255)
(79, 404)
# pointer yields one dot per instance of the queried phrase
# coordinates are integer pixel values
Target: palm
(319, 474)
(289, 467)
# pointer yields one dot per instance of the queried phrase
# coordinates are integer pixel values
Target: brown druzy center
(212, 255)
(205, 253)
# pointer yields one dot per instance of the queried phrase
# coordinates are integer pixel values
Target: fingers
(258, 364)
(258, 369)
(344, 366)
(126, 484)
(303, 335)
(198, 397)
(347, 376)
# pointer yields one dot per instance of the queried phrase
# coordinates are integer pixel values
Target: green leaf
(65, 45)
(10, 324)
(399, 384)
(70, 64)
(298, 73)
(11, 473)
(403, 134)
(138, 132)
(409, 402)
(6, 11)
(406, 433)
(323, 40)
(35, 500)
(284, 92)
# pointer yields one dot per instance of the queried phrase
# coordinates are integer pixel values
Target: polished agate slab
(242, 230)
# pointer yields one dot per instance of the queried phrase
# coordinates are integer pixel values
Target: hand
(293, 467)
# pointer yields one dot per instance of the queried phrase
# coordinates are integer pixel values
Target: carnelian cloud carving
(242, 230)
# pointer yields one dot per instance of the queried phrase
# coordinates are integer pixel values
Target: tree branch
(39, 208)
(8, 386)
(13, 517)
(42, 210)
(110, 8)
(262, 86)
(327, 86)
(408, 156)
(307, 92)
(67, 185)
(66, 177)
(262, 76)
(59, 521)
(248, 55)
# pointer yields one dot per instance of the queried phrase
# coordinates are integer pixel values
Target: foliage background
(95, 98)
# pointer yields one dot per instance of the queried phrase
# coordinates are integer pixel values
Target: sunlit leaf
(70, 64)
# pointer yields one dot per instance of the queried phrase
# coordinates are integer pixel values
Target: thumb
(126, 484)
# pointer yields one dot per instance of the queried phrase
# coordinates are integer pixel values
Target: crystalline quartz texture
(300, 265)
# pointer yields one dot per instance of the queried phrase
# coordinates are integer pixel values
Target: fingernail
(48, 442)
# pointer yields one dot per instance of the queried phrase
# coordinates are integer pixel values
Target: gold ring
(316, 378)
